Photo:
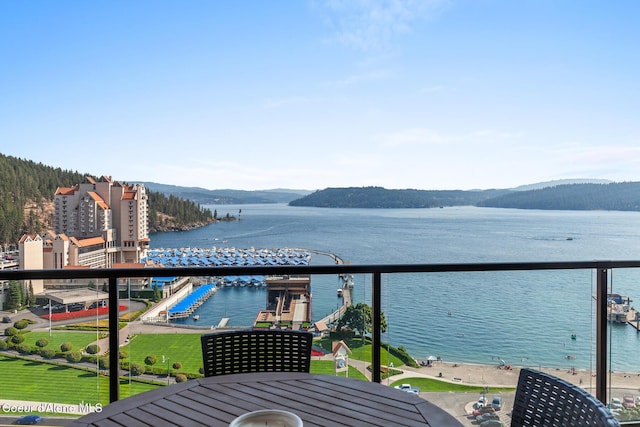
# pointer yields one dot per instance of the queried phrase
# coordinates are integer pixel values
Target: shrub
(17, 339)
(136, 369)
(122, 355)
(42, 342)
(11, 331)
(180, 378)
(201, 370)
(103, 362)
(74, 357)
(23, 349)
(66, 346)
(150, 360)
(21, 324)
(48, 353)
(93, 349)
(177, 365)
(3, 345)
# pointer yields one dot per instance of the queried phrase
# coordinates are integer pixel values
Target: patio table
(319, 400)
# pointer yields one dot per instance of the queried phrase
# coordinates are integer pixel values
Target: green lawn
(325, 367)
(183, 348)
(78, 339)
(363, 352)
(40, 381)
(429, 384)
(43, 382)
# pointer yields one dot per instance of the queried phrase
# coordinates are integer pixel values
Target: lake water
(525, 318)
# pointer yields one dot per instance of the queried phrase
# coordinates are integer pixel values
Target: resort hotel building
(96, 224)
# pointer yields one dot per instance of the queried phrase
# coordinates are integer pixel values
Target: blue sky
(427, 94)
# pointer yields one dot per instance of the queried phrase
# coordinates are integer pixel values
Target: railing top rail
(311, 269)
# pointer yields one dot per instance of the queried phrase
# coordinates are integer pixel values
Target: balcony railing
(600, 269)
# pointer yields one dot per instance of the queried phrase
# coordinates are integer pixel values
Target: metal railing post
(601, 335)
(114, 341)
(376, 308)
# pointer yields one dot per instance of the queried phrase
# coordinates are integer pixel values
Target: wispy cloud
(368, 25)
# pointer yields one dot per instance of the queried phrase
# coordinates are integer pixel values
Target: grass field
(363, 352)
(78, 339)
(43, 382)
(183, 348)
(429, 384)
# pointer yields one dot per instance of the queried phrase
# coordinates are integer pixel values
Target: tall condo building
(105, 221)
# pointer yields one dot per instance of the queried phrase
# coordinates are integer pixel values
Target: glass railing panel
(623, 336)
(471, 332)
(465, 329)
(54, 362)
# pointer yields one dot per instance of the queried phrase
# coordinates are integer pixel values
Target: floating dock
(190, 303)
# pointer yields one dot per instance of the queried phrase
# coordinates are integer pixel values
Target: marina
(220, 257)
(288, 301)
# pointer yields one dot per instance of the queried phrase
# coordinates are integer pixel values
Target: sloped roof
(99, 200)
(88, 242)
(66, 191)
(321, 326)
(337, 345)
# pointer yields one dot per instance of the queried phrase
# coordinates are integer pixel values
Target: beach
(495, 376)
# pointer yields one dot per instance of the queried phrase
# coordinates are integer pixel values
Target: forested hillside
(623, 196)
(26, 186)
(378, 197)
(620, 196)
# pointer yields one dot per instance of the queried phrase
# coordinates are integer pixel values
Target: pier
(186, 307)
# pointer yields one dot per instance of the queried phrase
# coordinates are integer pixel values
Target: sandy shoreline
(492, 375)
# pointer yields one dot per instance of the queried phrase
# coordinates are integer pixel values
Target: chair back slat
(237, 352)
(545, 400)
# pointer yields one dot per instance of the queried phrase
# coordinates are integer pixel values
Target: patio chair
(256, 351)
(544, 400)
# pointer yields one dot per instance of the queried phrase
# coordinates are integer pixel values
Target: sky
(253, 95)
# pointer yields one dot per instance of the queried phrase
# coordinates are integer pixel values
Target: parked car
(492, 423)
(76, 307)
(98, 304)
(496, 403)
(29, 419)
(615, 403)
(483, 410)
(408, 388)
(58, 308)
(628, 401)
(6, 319)
(487, 416)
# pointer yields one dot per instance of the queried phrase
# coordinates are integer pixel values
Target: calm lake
(524, 318)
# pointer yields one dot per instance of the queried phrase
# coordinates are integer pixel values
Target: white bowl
(267, 418)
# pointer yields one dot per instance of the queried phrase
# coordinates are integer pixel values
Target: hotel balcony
(591, 349)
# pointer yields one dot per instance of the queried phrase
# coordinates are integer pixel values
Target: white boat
(339, 292)
(196, 316)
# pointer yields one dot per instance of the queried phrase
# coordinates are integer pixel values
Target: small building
(341, 353)
(288, 304)
(321, 328)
